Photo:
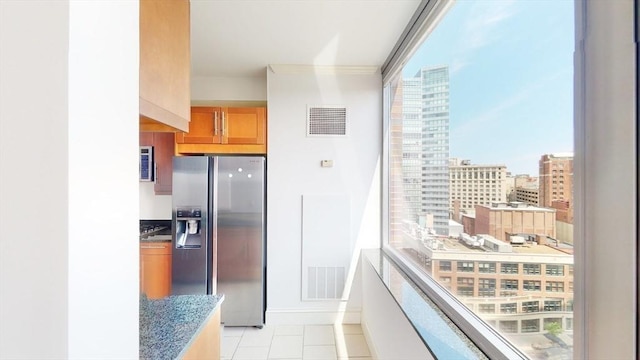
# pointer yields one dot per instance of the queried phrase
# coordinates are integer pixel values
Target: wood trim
(220, 149)
(207, 343)
(150, 125)
(155, 112)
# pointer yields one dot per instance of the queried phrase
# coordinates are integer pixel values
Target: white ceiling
(239, 38)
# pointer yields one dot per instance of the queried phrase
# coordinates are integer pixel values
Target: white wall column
(34, 46)
(103, 179)
(605, 190)
(68, 179)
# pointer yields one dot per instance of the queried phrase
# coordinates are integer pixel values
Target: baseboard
(370, 342)
(311, 317)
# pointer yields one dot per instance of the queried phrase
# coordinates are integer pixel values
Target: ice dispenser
(189, 228)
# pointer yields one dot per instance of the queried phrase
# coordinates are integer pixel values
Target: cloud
(481, 29)
(470, 127)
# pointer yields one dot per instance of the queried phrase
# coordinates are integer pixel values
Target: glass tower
(425, 152)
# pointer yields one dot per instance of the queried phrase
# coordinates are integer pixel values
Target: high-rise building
(412, 124)
(556, 179)
(476, 184)
(425, 153)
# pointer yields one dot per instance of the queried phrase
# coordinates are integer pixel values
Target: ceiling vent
(326, 121)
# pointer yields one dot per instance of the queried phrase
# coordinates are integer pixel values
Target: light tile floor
(301, 342)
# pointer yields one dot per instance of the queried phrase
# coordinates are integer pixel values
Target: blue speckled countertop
(169, 325)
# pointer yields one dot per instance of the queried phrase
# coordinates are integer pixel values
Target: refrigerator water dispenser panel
(189, 228)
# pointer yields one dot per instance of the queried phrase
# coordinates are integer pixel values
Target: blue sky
(511, 79)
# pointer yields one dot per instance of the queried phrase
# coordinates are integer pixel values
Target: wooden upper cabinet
(165, 54)
(224, 130)
(244, 125)
(205, 127)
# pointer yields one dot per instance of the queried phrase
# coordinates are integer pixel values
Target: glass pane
(480, 169)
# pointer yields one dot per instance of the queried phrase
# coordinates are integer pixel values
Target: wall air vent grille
(326, 121)
(325, 283)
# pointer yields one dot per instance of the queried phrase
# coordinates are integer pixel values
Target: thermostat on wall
(326, 163)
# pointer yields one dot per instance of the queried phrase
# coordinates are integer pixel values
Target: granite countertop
(169, 325)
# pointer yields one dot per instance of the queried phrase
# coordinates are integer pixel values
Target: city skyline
(511, 90)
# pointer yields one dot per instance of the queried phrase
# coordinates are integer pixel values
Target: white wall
(389, 333)
(103, 186)
(69, 194)
(204, 88)
(33, 179)
(294, 169)
(152, 206)
(605, 169)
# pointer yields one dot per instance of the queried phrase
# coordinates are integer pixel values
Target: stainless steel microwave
(146, 163)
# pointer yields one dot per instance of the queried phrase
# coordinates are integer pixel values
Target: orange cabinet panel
(205, 127)
(224, 130)
(155, 269)
(207, 343)
(244, 125)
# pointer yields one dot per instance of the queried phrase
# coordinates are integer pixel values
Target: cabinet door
(164, 149)
(155, 270)
(204, 128)
(244, 125)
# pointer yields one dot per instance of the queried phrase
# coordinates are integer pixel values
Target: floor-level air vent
(326, 121)
(325, 283)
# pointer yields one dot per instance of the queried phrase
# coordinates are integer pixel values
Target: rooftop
(529, 248)
(515, 206)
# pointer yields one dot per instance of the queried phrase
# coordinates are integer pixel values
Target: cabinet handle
(155, 172)
(215, 123)
(223, 124)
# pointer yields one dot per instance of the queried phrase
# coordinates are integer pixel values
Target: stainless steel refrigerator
(219, 233)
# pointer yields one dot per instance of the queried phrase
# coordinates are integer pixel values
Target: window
(445, 265)
(487, 267)
(530, 306)
(510, 327)
(555, 270)
(427, 102)
(531, 269)
(531, 285)
(508, 308)
(531, 325)
(508, 268)
(508, 284)
(555, 286)
(553, 305)
(465, 286)
(487, 308)
(465, 266)
(487, 287)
